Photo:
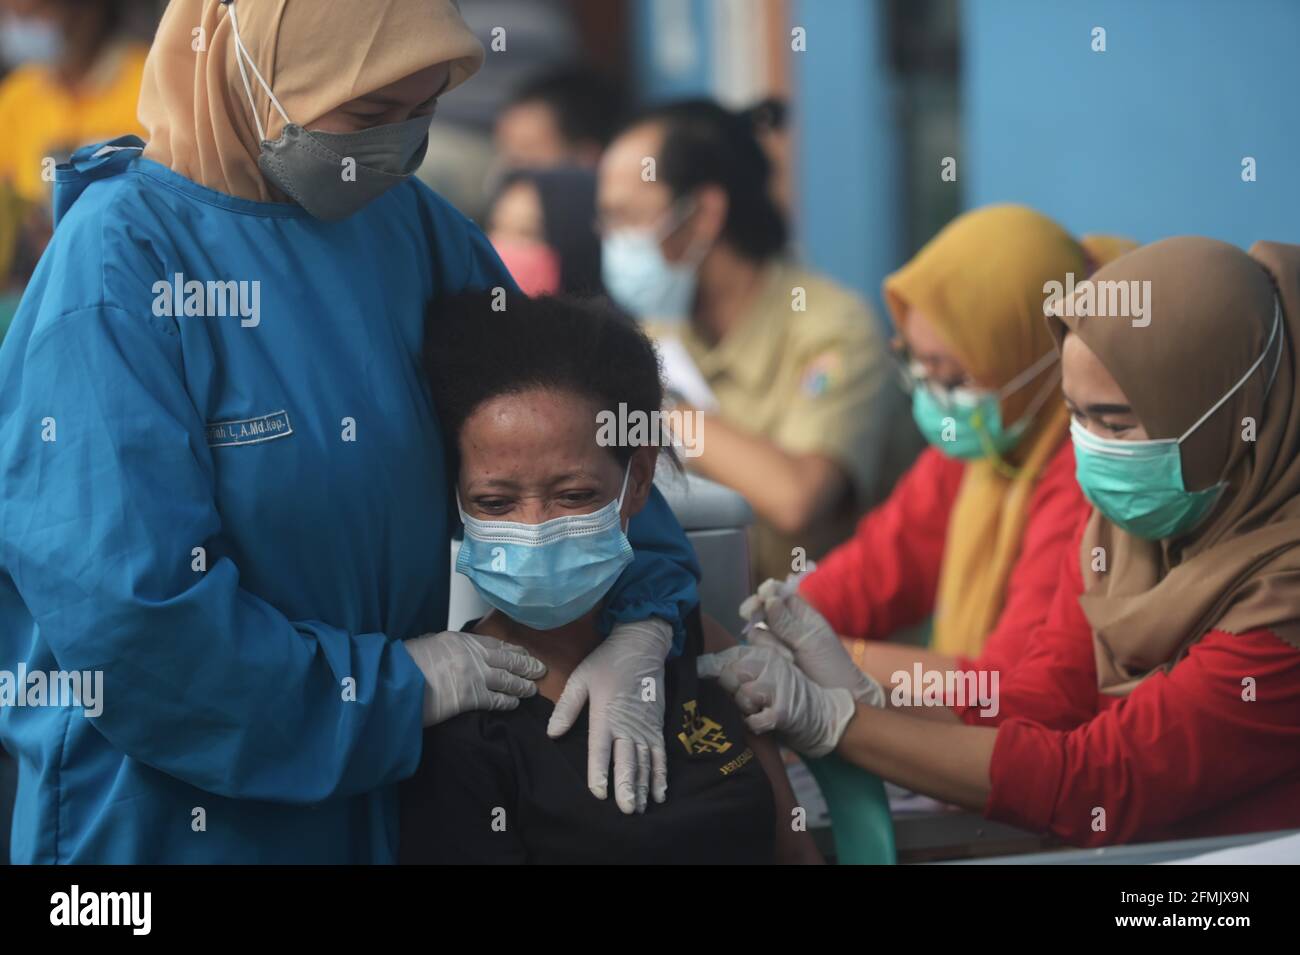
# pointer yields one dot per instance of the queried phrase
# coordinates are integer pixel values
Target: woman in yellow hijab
(972, 535)
(225, 489)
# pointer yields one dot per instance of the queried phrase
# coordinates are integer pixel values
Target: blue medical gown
(235, 522)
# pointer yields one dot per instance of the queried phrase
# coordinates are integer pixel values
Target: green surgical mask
(1138, 485)
(966, 423)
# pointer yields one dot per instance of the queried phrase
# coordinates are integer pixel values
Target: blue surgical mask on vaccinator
(546, 575)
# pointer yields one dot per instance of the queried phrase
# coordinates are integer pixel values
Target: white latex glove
(791, 622)
(468, 671)
(776, 696)
(612, 678)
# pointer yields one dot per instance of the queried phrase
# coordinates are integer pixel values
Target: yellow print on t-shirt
(699, 733)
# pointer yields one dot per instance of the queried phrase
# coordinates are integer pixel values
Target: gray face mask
(333, 175)
(314, 171)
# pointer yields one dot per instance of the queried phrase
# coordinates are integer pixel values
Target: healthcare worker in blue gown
(224, 490)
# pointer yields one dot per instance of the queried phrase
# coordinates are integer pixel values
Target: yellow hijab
(980, 283)
(315, 54)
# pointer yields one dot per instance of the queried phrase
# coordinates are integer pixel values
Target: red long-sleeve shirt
(886, 576)
(1184, 755)
(1188, 753)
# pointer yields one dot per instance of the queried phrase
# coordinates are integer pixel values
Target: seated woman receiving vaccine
(545, 507)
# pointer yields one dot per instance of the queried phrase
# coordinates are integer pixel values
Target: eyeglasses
(966, 393)
(664, 224)
(912, 375)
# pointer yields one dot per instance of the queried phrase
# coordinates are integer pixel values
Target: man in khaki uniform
(800, 412)
(804, 397)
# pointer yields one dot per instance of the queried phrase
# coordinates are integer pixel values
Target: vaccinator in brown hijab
(1214, 370)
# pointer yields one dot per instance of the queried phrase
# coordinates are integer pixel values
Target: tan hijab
(1211, 310)
(315, 54)
(980, 283)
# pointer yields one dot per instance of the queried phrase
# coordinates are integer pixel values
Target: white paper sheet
(682, 376)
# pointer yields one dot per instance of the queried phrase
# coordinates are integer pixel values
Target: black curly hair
(473, 353)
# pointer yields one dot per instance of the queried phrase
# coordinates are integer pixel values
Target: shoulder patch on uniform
(821, 373)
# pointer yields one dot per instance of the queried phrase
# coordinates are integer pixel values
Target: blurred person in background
(75, 79)
(563, 117)
(542, 224)
(788, 370)
(772, 126)
(541, 35)
(973, 535)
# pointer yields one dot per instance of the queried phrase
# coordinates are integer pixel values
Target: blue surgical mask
(966, 423)
(1138, 485)
(308, 165)
(546, 575)
(641, 280)
(29, 40)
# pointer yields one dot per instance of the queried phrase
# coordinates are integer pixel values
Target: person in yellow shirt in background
(788, 371)
(74, 79)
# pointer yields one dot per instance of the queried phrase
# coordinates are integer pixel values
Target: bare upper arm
(791, 846)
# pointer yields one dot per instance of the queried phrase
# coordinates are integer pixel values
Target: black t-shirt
(494, 788)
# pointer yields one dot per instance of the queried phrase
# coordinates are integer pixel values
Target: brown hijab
(1212, 309)
(315, 54)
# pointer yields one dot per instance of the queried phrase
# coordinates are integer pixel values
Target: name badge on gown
(267, 427)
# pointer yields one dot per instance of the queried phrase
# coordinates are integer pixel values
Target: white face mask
(29, 40)
(641, 280)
